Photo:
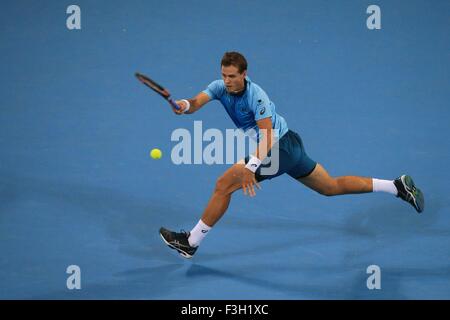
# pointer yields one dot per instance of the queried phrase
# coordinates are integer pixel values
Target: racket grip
(173, 104)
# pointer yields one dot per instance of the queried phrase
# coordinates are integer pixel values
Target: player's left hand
(249, 182)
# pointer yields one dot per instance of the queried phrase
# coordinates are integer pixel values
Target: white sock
(384, 186)
(198, 233)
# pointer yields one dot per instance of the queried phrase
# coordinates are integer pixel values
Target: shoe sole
(408, 183)
(181, 252)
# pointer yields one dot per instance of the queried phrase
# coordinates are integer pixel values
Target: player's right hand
(182, 106)
(249, 182)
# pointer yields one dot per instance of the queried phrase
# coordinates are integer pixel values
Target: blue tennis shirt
(246, 108)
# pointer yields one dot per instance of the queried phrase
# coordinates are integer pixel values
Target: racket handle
(173, 104)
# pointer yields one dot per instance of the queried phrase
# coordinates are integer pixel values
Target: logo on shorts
(204, 231)
(262, 110)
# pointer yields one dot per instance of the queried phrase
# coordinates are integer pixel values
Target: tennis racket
(157, 88)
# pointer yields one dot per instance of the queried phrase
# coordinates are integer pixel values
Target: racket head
(153, 85)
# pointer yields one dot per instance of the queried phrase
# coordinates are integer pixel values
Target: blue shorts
(293, 159)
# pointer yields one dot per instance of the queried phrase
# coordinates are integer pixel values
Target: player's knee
(326, 192)
(222, 185)
(329, 190)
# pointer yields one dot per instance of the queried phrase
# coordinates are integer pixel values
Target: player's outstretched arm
(189, 106)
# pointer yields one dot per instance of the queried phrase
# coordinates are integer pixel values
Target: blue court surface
(78, 187)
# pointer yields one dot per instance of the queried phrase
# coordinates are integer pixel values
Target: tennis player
(251, 109)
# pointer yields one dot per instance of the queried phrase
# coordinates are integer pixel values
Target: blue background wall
(77, 185)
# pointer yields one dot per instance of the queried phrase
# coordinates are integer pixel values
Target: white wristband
(253, 164)
(188, 104)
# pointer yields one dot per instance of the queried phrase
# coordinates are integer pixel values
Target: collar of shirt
(246, 86)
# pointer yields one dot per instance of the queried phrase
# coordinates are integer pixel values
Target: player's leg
(186, 243)
(279, 162)
(218, 203)
(402, 187)
(320, 181)
(314, 176)
(230, 181)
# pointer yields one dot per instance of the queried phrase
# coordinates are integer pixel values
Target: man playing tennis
(250, 108)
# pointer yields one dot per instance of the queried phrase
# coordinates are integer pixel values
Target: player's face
(234, 81)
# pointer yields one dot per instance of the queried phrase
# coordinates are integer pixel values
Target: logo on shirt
(262, 110)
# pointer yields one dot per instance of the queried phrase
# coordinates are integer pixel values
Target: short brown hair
(234, 59)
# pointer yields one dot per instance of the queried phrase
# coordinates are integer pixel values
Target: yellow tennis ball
(156, 154)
